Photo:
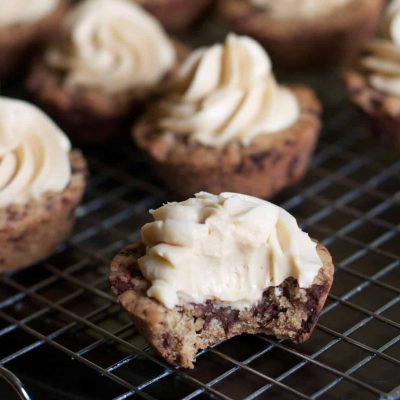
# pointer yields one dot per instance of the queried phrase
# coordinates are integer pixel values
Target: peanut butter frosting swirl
(227, 248)
(14, 12)
(381, 61)
(34, 154)
(228, 92)
(114, 45)
(299, 8)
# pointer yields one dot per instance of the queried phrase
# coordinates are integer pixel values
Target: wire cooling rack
(63, 336)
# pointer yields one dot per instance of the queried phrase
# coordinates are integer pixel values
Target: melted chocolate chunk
(123, 285)
(208, 311)
(313, 294)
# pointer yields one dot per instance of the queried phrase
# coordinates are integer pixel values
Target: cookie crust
(30, 232)
(18, 43)
(298, 44)
(176, 15)
(270, 163)
(286, 311)
(90, 115)
(382, 110)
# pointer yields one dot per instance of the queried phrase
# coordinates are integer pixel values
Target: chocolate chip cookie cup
(41, 184)
(373, 83)
(94, 83)
(24, 29)
(226, 125)
(306, 34)
(214, 267)
(176, 15)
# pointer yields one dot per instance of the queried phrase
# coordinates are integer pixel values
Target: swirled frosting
(299, 8)
(24, 11)
(382, 59)
(34, 153)
(227, 248)
(114, 45)
(228, 92)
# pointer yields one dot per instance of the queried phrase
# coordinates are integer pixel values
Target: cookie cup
(381, 110)
(18, 43)
(268, 164)
(30, 232)
(286, 311)
(176, 15)
(91, 115)
(303, 44)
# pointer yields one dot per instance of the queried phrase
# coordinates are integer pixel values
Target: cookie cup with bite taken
(216, 266)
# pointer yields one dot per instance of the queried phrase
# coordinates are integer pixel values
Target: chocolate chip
(208, 311)
(132, 252)
(375, 102)
(240, 167)
(293, 166)
(355, 90)
(258, 157)
(290, 142)
(276, 158)
(165, 339)
(14, 215)
(313, 295)
(65, 201)
(122, 286)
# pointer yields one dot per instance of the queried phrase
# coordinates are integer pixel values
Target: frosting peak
(34, 153)
(228, 248)
(391, 22)
(23, 11)
(299, 8)
(114, 45)
(382, 59)
(227, 92)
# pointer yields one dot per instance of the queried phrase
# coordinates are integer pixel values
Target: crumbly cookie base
(30, 232)
(286, 311)
(382, 111)
(270, 163)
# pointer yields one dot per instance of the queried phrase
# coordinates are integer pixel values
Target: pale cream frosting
(228, 248)
(34, 154)
(114, 45)
(25, 11)
(382, 59)
(300, 8)
(228, 92)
